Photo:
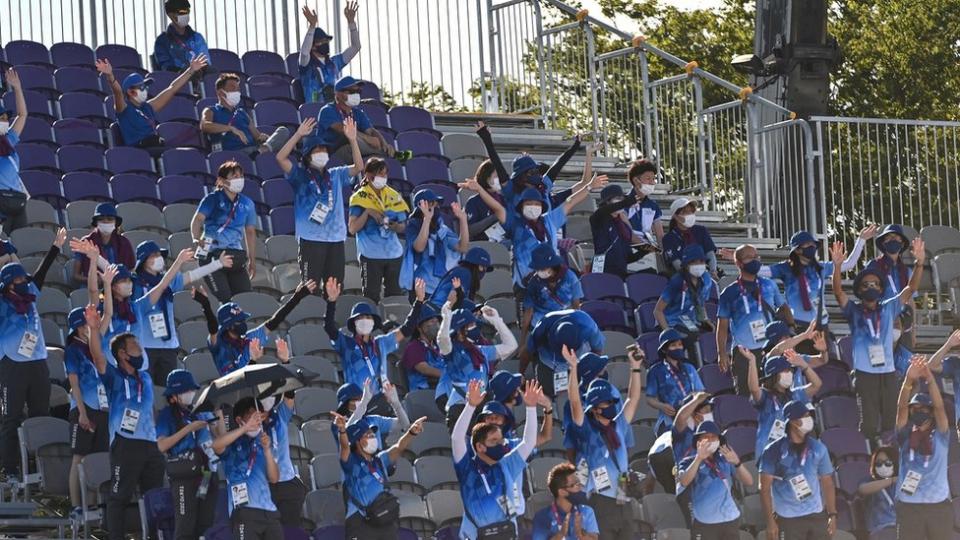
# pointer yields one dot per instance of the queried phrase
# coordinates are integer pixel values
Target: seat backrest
(43, 430)
(95, 470)
(434, 470)
(459, 145)
(72, 54)
(444, 505)
(325, 507)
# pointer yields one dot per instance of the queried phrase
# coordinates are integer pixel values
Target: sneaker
(403, 156)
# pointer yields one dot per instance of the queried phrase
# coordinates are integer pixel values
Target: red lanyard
(431, 347)
(252, 457)
(374, 472)
(743, 294)
(363, 348)
(230, 215)
(179, 42)
(676, 377)
(234, 117)
(149, 120)
(715, 468)
(558, 518)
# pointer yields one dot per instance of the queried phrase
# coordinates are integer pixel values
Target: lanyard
(873, 323)
(230, 215)
(252, 457)
(715, 468)
(179, 42)
(149, 120)
(233, 117)
(926, 459)
(325, 176)
(558, 518)
(431, 347)
(372, 467)
(743, 295)
(676, 377)
(126, 385)
(366, 355)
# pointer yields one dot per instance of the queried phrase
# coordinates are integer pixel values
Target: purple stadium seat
(72, 54)
(329, 532)
(953, 477)
(421, 144)
(263, 87)
(86, 107)
(179, 109)
(836, 380)
(277, 113)
(267, 166)
(845, 345)
(648, 343)
(135, 187)
(742, 439)
(37, 157)
(644, 317)
(281, 220)
(277, 192)
(309, 110)
(708, 347)
(645, 287)
(839, 412)
(185, 161)
(218, 158)
(445, 190)
(845, 444)
(404, 118)
(293, 64)
(78, 79)
(37, 104)
(261, 62)
(598, 286)
(850, 475)
(714, 380)
(377, 114)
(37, 130)
(369, 90)
(181, 189)
(402, 186)
(129, 159)
(38, 79)
(44, 186)
(732, 410)
(26, 52)
(77, 157)
(225, 61)
(210, 85)
(162, 79)
(121, 56)
(86, 186)
(607, 315)
(421, 170)
(179, 134)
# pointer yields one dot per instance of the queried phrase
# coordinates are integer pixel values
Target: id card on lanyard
(30, 338)
(875, 350)
(230, 215)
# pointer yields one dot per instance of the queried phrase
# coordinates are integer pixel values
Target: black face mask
(323, 48)
(240, 329)
(136, 362)
(577, 498)
(21, 288)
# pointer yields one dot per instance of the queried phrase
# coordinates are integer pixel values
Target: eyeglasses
(870, 284)
(886, 463)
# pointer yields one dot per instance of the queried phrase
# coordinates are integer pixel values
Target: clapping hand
(474, 394)
(532, 393)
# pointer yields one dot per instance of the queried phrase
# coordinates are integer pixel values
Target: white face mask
(689, 220)
(896, 334)
(885, 471)
(364, 326)
(806, 425)
(532, 212)
(125, 289)
(707, 417)
(236, 185)
(647, 189)
(268, 402)
(183, 20)
(186, 398)
(697, 270)
(353, 100)
(256, 433)
(785, 379)
(231, 98)
(141, 96)
(494, 184)
(713, 446)
(4, 127)
(319, 160)
(371, 445)
(379, 182)
(157, 265)
(106, 228)
(544, 274)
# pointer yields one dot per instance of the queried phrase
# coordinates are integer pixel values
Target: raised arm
(463, 243)
(920, 255)
(813, 380)
(163, 98)
(224, 261)
(303, 290)
(753, 377)
(396, 451)
(333, 288)
(350, 12)
(443, 335)
(311, 16)
(390, 391)
(837, 254)
(939, 411)
(221, 443)
(40, 273)
(495, 207)
(866, 233)
(283, 156)
(107, 277)
(634, 390)
(554, 171)
(531, 395)
(96, 352)
(573, 386)
(484, 133)
(168, 442)
(914, 371)
(936, 361)
(686, 412)
(155, 293)
(273, 470)
(581, 194)
(426, 213)
(508, 343)
(13, 79)
(104, 67)
(350, 131)
(200, 297)
(458, 437)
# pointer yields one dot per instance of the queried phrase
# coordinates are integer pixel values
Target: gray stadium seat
(79, 298)
(142, 235)
(673, 533)
(260, 306)
(94, 473)
(32, 241)
(312, 402)
(433, 441)
(460, 145)
(35, 433)
(940, 239)
(316, 435)
(496, 283)
(325, 507)
(138, 215)
(464, 168)
(79, 214)
(311, 309)
(444, 506)
(345, 303)
(352, 283)
(435, 472)
(321, 372)
(536, 502)
(51, 333)
(499, 254)
(662, 511)
(55, 364)
(53, 303)
(177, 216)
(616, 344)
(42, 214)
(752, 513)
(422, 403)
(506, 307)
(282, 248)
(309, 339)
(186, 309)
(202, 366)
(538, 469)
(286, 277)
(193, 335)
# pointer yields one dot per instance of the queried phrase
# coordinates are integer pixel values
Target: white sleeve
(529, 433)
(854, 256)
(458, 438)
(508, 342)
(102, 263)
(306, 46)
(199, 273)
(443, 336)
(354, 47)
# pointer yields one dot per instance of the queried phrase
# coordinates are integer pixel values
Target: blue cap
(357, 430)
(590, 365)
(774, 365)
(566, 333)
(609, 192)
(347, 392)
(230, 314)
(123, 273)
(145, 249)
(105, 210)
(495, 407)
(76, 319)
(691, 396)
(478, 256)
(597, 394)
(425, 195)
(427, 312)
(668, 336)
(775, 331)
(522, 164)
(134, 79)
(346, 82)
(893, 229)
(9, 272)
(461, 318)
(796, 409)
(801, 237)
(469, 305)
(921, 398)
(360, 309)
(7, 248)
(708, 427)
(544, 256)
(180, 381)
(320, 33)
(693, 252)
(6, 111)
(503, 385)
(530, 194)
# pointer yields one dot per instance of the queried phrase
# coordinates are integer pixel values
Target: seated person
(176, 47)
(684, 231)
(318, 70)
(230, 127)
(330, 124)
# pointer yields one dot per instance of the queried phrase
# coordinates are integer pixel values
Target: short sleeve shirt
(318, 205)
(748, 307)
(225, 221)
(10, 166)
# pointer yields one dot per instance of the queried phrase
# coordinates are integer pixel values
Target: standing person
(569, 517)
(227, 124)
(107, 236)
(421, 358)
(378, 215)
(671, 379)
(871, 324)
(136, 115)
(571, 328)
(24, 375)
(246, 455)
(796, 482)
(432, 247)
(645, 213)
(684, 231)
(484, 224)
(708, 475)
(331, 125)
(185, 437)
(924, 510)
(13, 193)
(553, 286)
(179, 44)
(613, 235)
(879, 492)
(467, 273)
(489, 473)
(779, 387)
(318, 202)
(319, 70)
(682, 304)
(225, 223)
(353, 402)
(746, 306)
(891, 243)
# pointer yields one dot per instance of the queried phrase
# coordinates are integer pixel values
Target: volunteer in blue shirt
(109, 239)
(491, 474)
(613, 235)
(319, 70)
(683, 231)
(422, 360)
(942, 362)
(179, 44)
(353, 403)
(362, 356)
(378, 215)
(796, 481)
(569, 517)
(682, 304)
(709, 475)
(227, 124)
(500, 414)
(372, 511)
(923, 433)
(780, 386)
(871, 324)
(645, 214)
(601, 429)
(24, 376)
(891, 243)
(675, 444)
(464, 278)
(135, 459)
(250, 467)
(591, 367)
(671, 379)
(226, 222)
(13, 194)
(136, 115)
(486, 184)
(553, 286)
(572, 328)
(331, 124)
(318, 209)
(185, 437)
(505, 387)
(879, 493)
(432, 247)
(746, 306)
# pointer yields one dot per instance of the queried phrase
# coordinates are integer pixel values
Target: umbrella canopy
(254, 380)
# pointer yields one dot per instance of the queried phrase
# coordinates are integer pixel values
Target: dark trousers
(21, 383)
(380, 406)
(193, 515)
(162, 362)
(741, 367)
(616, 521)
(662, 465)
(13, 210)
(810, 527)
(321, 260)
(358, 529)
(226, 282)
(877, 394)
(289, 496)
(729, 530)
(691, 344)
(134, 463)
(256, 524)
(154, 145)
(377, 274)
(925, 521)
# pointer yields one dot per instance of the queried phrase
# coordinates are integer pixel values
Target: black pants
(193, 515)
(925, 521)
(810, 527)
(226, 282)
(21, 383)
(877, 394)
(256, 524)
(741, 368)
(545, 378)
(729, 530)
(616, 521)
(13, 210)
(380, 406)
(83, 442)
(358, 529)
(154, 145)
(162, 362)
(662, 465)
(377, 274)
(289, 496)
(134, 463)
(321, 260)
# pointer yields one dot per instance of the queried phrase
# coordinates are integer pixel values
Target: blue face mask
(892, 247)
(577, 498)
(871, 294)
(496, 453)
(239, 329)
(753, 267)
(474, 333)
(21, 288)
(609, 413)
(918, 418)
(677, 354)
(136, 362)
(809, 252)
